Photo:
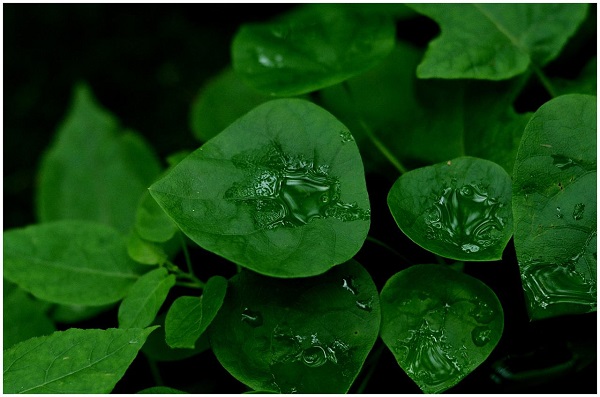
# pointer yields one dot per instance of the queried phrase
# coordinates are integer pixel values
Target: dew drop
(559, 214)
(466, 217)
(349, 285)
(578, 211)
(562, 162)
(289, 191)
(481, 335)
(252, 318)
(314, 356)
(481, 312)
(366, 304)
(346, 136)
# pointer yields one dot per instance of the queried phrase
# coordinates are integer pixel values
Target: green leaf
(69, 262)
(496, 41)
(220, 102)
(146, 296)
(460, 209)
(151, 222)
(92, 171)
(439, 324)
(307, 335)
(281, 191)
(24, 317)
(554, 206)
(75, 361)
(157, 349)
(190, 316)
(145, 252)
(70, 314)
(312, 47)
(407, 114)
(161, 390)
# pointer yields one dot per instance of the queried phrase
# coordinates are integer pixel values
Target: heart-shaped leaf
(281, 191)
(312, 47)
(460, 209)
(69, 262)
(189, 316)
(76, 361)
(554, 206)
(496, 41)
(440, 324)
(307, 336)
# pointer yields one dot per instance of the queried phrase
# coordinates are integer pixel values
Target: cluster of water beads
(466, 217)
(561, 283)
(288, 191)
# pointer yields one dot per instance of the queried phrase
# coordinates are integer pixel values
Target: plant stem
(186, 253)
(387, 247)
(155, 372)
(374, 359)
(378, 144)
(544, 80)
(194, 282)
(189, 284)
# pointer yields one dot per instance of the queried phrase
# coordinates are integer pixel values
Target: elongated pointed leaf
(75, 361)
(24, 317)
(496, 41)
(281, 191)
(146, 296)
(69, 262)
(93, 171)
(190, 316)
(307, 336)
(440, 324)
(310, 48)
(554, 206)
(460, 209)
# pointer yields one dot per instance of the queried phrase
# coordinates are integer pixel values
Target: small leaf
(189, 316)
(310, 48)
(496, 41)
(308, 335)
(220, 102)
(460, 209)
(151, 222)
(161, 390)
(146, 296)
(70, 314)
(75, 361)
(69, 262)
(157, 349)
(24, 317)
(145, 252)
(92, 171)
(554, 206)
(281, 191)
(439, 324)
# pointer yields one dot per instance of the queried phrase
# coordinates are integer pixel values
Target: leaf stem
(189, 284)
(376, 141)
(194, 282)
(375, 360)
(544, 80)
(155, 372)
(387, 247)
(186, 253)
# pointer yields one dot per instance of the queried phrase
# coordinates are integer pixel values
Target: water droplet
(346, 136)
(578, 211)
(252, 318)
(562, 162)
(481, 312)
(481, 335)
(559, 214)
(349, 285)
(466, 217)
(314, 356)
(285, 190)
(133, 341)
(366, 304)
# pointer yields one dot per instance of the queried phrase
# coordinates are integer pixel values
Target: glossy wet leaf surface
(74, 361)
(69, 262)
(440, 324)
(496, 41)
(554, 204)
(144, 299)
(311, 47)
(190, 316)
(281, 191)
(94, 170)
(24, 316)
(460, 209)
(407, 114)
(306, 335)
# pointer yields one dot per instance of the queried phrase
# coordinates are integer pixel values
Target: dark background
(146, 63)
